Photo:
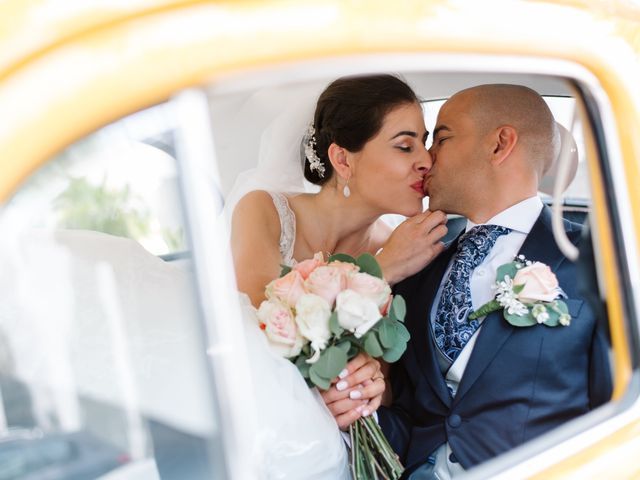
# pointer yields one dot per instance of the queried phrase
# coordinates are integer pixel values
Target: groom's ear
(339, 158)
(504, 140)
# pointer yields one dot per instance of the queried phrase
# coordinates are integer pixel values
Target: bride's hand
(357, 392)
(412, 245)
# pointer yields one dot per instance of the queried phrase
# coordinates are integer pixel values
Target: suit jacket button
(454, 421)
(453, 458)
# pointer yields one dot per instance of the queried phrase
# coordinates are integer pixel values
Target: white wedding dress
(298, 437)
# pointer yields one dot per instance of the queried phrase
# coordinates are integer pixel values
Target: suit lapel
(539, 247)
(421, 324)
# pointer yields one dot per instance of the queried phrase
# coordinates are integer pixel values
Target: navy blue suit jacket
(519, 382)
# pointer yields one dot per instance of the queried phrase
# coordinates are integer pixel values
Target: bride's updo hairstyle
(350, 112)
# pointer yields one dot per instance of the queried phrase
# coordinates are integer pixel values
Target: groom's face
(457, 151)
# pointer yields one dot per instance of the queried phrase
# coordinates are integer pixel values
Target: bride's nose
(424, 164)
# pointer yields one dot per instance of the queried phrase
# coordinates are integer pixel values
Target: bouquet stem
(372, 458)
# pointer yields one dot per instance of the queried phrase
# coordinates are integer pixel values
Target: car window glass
(103, 363)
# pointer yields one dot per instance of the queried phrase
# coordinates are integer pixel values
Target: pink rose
(371, 287)
(287, 289)
(540, 283)
(326, 282)
(384, 309)
(345, 267)
(278, 323)
(307, 266)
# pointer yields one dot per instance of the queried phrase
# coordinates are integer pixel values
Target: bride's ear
(339, 158)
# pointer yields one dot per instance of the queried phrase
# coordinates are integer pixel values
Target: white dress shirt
(520, 219)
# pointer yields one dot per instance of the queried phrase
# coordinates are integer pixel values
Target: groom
(465, 392)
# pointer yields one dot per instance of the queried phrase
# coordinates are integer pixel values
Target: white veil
(297, 436)
(280, 165)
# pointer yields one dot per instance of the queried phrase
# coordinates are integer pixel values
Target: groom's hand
(357, 392)
(412, 245)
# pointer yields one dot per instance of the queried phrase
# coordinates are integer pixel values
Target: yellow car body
(70, 67)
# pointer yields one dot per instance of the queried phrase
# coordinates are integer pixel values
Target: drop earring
(346, 191)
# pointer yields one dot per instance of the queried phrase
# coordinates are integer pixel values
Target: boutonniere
(529, 294)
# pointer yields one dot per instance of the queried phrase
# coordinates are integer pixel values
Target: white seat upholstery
(568, 148)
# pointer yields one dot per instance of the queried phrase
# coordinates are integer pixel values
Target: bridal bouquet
(320, 314)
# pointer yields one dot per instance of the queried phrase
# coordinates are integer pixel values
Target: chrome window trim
(578, 434)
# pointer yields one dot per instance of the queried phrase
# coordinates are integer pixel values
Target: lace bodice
(287, 227)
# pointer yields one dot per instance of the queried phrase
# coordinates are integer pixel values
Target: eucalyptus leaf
(303, 366)
(561, 306)
(398, 308)
(394, 354)
(526, 320)
(554, 318)
(555, 309)
(342, 257)
(330, 363)
(372, 345)
(334, 326)
(284, 269)
(508, 269)
(402, 332)
(369, 264)
(317, 380)
(388, 334)
(354, 350)
(345, 346)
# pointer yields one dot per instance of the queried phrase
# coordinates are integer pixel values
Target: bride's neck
(333, 223)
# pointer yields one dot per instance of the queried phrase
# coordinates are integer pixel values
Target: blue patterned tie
(451, 328)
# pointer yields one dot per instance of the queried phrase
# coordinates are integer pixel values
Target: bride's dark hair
(350, 112)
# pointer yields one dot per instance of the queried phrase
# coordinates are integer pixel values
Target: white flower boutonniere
(529, 294)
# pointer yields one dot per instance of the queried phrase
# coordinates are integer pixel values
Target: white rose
(356, 312)
(276, 319)
(312, 316)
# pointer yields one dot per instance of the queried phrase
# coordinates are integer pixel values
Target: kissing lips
(417, 186)
(425, 185)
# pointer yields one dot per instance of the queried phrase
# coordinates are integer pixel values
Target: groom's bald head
(491, 146)
(495, 105)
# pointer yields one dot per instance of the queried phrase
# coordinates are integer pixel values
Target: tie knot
(480, 239)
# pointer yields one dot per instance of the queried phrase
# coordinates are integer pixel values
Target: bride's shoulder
(257, 208)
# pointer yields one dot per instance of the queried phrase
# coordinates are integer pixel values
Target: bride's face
(388, 172)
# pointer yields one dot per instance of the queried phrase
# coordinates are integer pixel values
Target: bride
(365, 149)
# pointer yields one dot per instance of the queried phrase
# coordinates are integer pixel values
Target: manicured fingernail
(343, 373)
(341, 385)
(355, 394)
(359, 409)
(365, 413)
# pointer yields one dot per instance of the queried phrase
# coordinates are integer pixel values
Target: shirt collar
(519, 217)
